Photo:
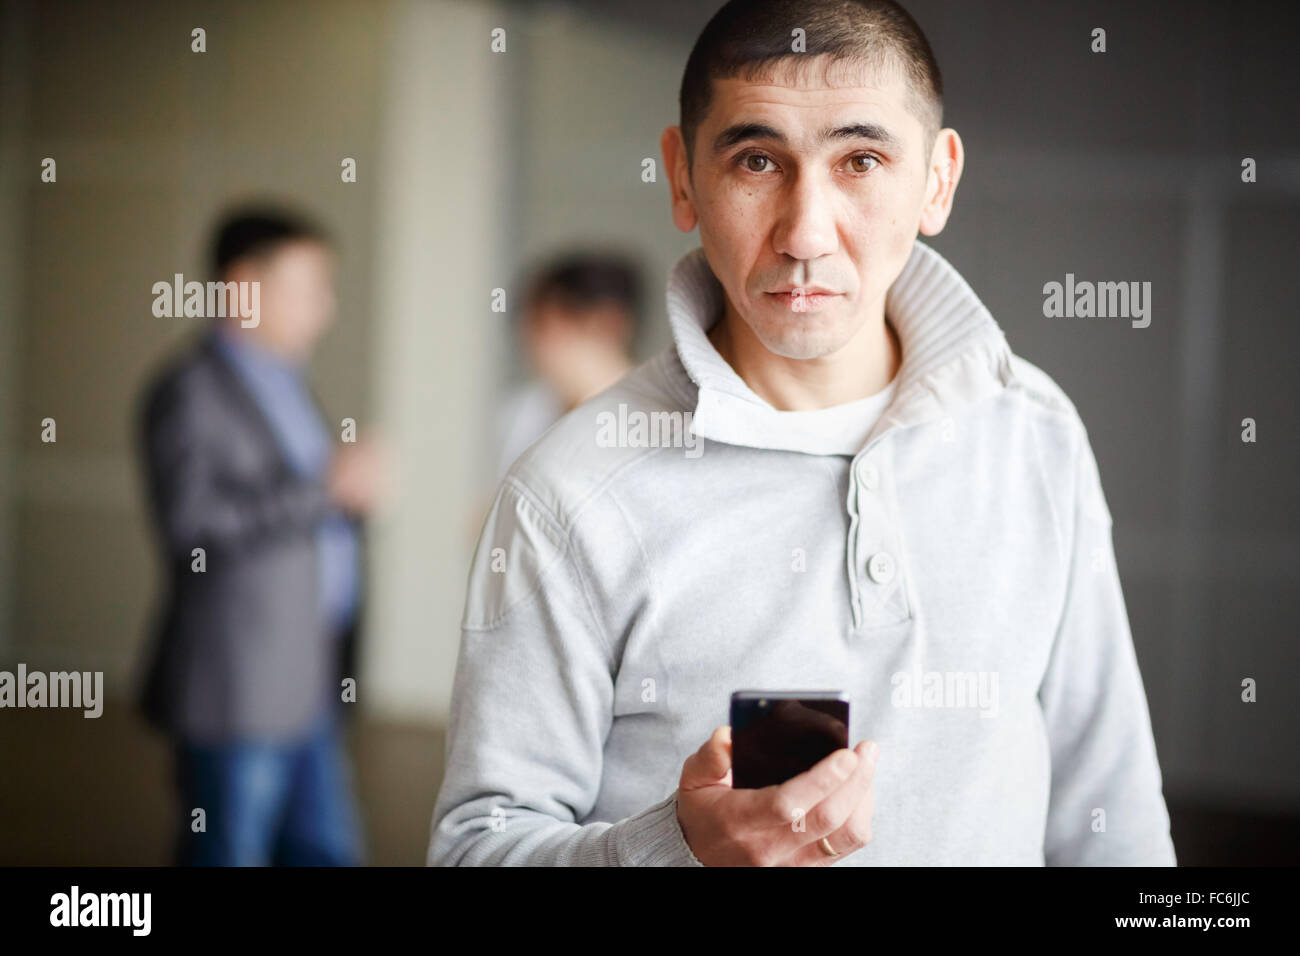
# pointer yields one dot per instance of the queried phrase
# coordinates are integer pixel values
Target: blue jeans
(283, 804)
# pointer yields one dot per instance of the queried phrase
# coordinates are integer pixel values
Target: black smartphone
(776, 735)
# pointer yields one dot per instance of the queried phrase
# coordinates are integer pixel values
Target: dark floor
(76, 791)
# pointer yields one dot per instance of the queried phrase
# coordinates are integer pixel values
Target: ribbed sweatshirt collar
(954, 354)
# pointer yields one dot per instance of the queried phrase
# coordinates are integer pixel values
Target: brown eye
(858, 163)
(754, 158)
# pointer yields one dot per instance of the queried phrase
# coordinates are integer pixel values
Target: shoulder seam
(1059, 404)
(524, 494)
(568, 555)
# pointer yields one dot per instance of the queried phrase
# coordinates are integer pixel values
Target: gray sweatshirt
(676, 538)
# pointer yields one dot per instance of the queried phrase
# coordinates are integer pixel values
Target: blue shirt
(280, 390)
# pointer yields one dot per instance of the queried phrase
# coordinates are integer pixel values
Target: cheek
(273, 298)
(738, 221)
(886, 220)
(881, 203)
(731, 204)
(906, 210)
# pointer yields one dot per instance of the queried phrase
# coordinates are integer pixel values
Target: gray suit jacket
(239, 650)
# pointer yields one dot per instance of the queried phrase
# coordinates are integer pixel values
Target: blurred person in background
(257, 513)
(581, 315)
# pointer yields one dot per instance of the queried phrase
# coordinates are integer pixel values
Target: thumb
(709, 765)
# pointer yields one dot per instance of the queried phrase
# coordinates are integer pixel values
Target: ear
(679, 178)
(241, 270)
(946, 162)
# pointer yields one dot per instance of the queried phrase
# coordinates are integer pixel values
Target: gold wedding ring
(825, 844)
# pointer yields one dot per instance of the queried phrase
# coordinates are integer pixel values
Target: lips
(807, 299)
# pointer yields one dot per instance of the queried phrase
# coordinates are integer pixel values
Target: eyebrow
(740, 132)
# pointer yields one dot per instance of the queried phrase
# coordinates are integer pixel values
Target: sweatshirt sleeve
(1102, 749)
(532, 703)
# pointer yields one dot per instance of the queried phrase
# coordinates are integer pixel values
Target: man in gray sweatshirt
(838, 477)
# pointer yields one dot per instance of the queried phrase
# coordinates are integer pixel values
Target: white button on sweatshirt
(676, 538)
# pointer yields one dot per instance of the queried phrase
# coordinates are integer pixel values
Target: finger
(848, 839)
(835, 810)
(814, 855)
(853, 832)
(779, 805)
(832, 814)
(709, 765)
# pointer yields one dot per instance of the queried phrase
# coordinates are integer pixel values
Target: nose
(805, 228)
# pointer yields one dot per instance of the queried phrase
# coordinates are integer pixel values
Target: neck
(254, 337)
(861, 367)
(597, 368)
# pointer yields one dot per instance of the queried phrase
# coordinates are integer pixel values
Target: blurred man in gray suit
(256, 506)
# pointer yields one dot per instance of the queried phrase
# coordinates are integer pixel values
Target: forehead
(810, 90)
(300, 253)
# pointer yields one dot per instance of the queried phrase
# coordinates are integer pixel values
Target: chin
(801, 336)
(802, 343)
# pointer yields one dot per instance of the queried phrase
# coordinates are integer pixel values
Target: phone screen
(776, 736)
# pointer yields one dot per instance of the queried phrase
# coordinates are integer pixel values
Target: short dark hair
(580, 280)
(256, 230)
(746, 38)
